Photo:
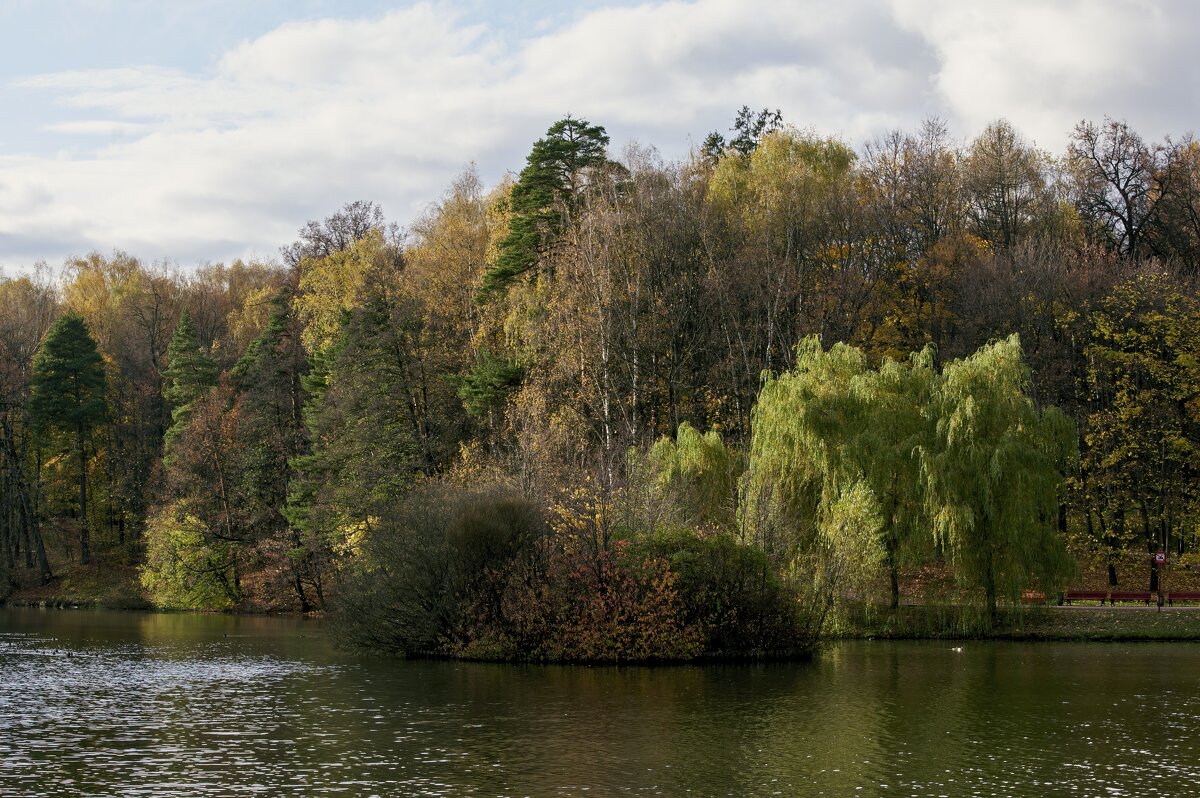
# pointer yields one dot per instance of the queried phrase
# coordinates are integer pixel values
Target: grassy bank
(935, 622)
(102, 585)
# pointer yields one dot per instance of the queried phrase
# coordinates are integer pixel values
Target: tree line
(604, 395)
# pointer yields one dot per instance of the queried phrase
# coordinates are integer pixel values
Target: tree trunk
(893, 573)
(85, 553)
(1151, 545)
(39, 545)
(989, 588)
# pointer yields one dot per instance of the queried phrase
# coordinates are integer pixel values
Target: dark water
(127, 704)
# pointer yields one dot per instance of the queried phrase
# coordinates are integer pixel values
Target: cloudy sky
(205, 130)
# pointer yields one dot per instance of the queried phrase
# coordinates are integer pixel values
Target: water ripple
(192, 705)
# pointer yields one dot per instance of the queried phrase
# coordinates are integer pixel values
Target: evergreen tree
(269, 381)
(67, 397)
(555, 175)
(381, 413)
(190, 373)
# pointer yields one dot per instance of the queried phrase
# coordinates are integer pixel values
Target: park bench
(1144, 596)
(1183, 595)
(1033, 597)
(1085, 595)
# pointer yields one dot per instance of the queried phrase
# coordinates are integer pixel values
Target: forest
(617, 408)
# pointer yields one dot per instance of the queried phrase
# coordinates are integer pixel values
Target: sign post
(1160, 559)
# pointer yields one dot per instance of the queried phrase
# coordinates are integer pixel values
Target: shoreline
(1028, 624)
(909, 622)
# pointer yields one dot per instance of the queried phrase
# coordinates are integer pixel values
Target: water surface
(95, 703)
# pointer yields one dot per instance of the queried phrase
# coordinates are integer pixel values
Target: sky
(198, 131)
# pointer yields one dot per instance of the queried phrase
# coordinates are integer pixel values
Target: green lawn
(1030, 623)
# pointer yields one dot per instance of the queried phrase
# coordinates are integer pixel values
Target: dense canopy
(616, 408)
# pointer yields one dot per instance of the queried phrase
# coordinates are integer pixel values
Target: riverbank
(104, 584)
(1050, 623)
(110, 584)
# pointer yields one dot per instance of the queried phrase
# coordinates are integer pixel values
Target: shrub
(729, 591)
(434, 572)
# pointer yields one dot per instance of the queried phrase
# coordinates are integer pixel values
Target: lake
(101, 703)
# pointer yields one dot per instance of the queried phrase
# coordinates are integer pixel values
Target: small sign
(1160, 557)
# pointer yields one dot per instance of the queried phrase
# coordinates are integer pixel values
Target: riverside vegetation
(616, 409)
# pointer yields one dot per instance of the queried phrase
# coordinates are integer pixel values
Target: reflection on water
(96, 703)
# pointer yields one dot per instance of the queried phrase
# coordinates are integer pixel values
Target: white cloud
(290, 125)
(1047, 65)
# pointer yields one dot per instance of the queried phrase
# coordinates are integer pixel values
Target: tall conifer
(67, 398)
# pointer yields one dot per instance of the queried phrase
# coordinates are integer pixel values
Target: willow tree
(835, 445)
(794, 489)
(994, 475)
(887, 422)
(690, 480)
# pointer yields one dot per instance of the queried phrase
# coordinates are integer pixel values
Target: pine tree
(67, 397)
(554, 177)
(190, 373)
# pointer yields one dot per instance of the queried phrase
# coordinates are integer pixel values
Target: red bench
(1144, 596)
(1085, 595)
(1182, 595)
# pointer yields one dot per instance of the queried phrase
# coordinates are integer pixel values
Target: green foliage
(67, 401)
(555, 174)
(995, 474)
(792, 477)
(434, 574)
(661, 295)
(189, 374)
(380, 413)
(690, 481)
(186, 567)
(484, 388)
(1142, 436)
(865, 460)
(883, 424)
(67, 384)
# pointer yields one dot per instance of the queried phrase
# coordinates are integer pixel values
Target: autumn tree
(30, 305)
(1143, 435)
(774, 240)
(1118, 180)
(1006, 186)
(337, 232)
(1175, 236)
